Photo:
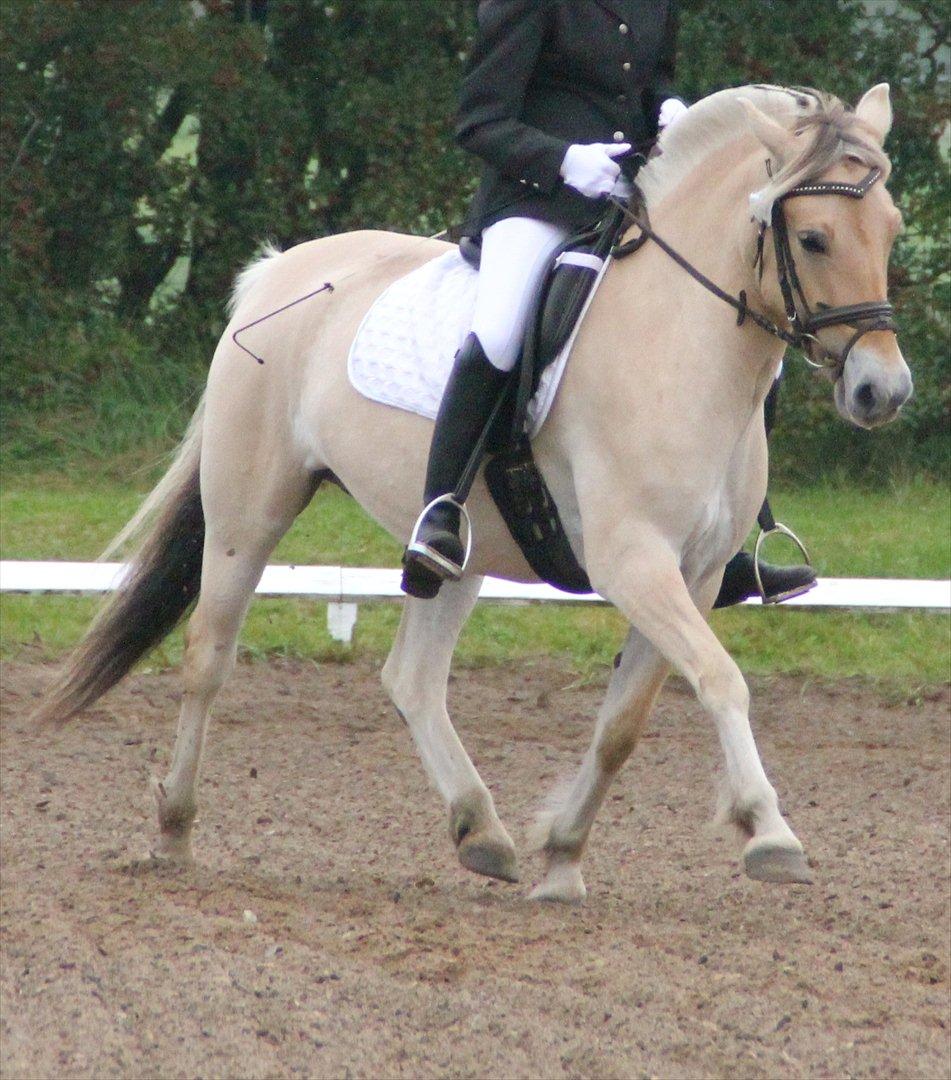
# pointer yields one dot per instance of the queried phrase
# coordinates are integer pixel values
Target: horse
(654, 452)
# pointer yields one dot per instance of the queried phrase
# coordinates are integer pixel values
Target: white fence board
(346, 584)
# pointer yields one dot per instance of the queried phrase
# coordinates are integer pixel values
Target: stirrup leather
(430, 556)
(764, 534)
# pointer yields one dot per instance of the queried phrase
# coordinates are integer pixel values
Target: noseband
(803, 322)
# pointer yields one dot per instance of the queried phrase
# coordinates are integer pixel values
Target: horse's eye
(814, 242)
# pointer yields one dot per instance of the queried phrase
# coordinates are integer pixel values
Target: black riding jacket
(545, 74)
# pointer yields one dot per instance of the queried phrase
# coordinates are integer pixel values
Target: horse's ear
(875, 110)
(779, 141)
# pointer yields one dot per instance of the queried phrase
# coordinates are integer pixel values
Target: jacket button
(623, 28)
(619, 136)
(626, 65)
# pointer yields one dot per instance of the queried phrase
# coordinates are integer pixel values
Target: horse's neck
(707, 220)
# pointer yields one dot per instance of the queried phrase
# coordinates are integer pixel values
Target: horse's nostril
(865, 396)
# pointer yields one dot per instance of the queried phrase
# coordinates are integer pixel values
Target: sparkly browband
(853, 191)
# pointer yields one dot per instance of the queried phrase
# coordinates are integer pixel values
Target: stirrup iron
(429, 556)
(764, 534)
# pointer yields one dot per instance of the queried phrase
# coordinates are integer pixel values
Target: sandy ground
(368, 951)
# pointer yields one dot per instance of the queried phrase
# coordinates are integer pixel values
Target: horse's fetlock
(461, 824)
(179, 821)
(564, 844)
(746, 812)
(467, 815)
(175, 818)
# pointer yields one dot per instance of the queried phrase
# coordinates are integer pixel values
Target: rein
(803, 321)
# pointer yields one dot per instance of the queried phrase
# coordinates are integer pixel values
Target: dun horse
(654, 452)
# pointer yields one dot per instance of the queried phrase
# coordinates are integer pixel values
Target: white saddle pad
(403, 352)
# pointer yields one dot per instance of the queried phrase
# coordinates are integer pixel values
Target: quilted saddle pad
(404, 349)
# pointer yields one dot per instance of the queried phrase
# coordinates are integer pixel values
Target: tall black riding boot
(779, 582)
(436, 552)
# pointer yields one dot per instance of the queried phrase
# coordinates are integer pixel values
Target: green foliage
(327, 123)
(338, 116)
(85, 390)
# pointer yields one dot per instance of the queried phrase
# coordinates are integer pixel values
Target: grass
(900, 532)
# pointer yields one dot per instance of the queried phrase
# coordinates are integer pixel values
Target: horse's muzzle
(870, 391)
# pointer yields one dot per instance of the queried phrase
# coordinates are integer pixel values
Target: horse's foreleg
(415, 676)
(563, 829)
(649, 589)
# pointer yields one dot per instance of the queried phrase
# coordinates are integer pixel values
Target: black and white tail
(160, 587)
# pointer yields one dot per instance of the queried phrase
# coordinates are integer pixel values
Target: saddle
(513, 479)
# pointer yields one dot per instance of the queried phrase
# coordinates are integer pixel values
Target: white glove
(670, 111)
(590, 168)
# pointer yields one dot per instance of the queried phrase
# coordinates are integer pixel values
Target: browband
(834, 187)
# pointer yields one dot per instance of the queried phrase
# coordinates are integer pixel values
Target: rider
(555, 92)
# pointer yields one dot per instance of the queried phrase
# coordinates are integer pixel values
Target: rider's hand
(590, 167)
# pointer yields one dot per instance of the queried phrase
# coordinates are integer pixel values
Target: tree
(337, 115)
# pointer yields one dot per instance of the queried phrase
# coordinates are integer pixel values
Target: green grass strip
(903, 531)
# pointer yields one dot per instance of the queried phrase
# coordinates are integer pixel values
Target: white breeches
(515, 252)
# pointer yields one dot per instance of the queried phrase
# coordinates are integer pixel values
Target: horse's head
(826, 269)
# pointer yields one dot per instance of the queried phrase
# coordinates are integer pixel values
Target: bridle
(803, 323)
(865, 318)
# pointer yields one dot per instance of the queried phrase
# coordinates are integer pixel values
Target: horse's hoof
(172, 849)
(489, 855)
(779, 865)
(562, 883)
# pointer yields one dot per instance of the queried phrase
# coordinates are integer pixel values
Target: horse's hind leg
(239, 538)
(563, 829)
(415, 676)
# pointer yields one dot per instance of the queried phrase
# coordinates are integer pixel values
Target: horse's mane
(251, 275)
(719, 119)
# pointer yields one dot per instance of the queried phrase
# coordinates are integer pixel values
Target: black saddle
(513, 479)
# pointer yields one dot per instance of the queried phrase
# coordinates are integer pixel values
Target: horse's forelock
(838, 133)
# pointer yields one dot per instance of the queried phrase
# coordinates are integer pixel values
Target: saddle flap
(529, 512)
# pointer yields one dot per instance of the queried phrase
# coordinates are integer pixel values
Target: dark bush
(338, 116)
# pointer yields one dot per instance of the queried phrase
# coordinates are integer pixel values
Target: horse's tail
(161, 584)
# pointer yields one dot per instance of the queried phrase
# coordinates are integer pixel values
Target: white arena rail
(345, 587)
